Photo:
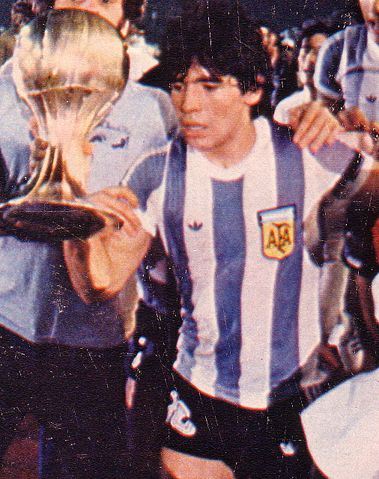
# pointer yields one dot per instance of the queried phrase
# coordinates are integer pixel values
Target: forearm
(99, 267)
(88, 267)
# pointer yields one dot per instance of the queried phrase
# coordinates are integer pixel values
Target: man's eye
(211, 86)
(177, 86)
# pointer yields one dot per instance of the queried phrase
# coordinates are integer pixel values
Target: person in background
(21, 14)
(153, 349)
(346, 79)
(310, 42)
(346, 75)
(62, 359)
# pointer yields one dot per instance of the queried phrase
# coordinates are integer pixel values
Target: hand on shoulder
(314, 125)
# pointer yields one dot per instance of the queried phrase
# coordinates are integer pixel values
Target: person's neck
(234, 151)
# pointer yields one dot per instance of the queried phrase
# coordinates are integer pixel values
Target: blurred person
(286, 70)
(21, 14)
(142, 55)
(341, 426)
(154, 350)
(218, 194)
(62, 359)
(346, 76)
(342, 429)
(270, 42)
(310, 42)
(40, 6)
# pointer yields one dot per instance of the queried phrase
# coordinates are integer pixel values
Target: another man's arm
(100, 266)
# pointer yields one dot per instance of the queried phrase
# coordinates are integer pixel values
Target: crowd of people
(226, 328)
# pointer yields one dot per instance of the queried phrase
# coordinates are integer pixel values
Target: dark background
(279, 14)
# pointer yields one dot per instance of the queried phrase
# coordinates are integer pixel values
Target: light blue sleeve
(146, 180)
(327, 67)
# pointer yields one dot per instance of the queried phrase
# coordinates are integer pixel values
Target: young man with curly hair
(228, 197)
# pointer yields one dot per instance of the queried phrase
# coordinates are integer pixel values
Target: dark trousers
(77, 396)
(154, 376)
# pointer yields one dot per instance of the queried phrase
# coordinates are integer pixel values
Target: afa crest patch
(278, 231)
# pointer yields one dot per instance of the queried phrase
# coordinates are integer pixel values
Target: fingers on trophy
(69, 68)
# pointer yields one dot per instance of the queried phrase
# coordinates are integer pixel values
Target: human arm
(313, 125)
(326, 235)
(100, 266)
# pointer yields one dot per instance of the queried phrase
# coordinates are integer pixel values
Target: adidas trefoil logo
(195, 226)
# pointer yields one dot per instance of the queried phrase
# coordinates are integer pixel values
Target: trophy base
(49, 221)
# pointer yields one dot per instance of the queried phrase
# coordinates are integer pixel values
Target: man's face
(39, 6)
(211, 109)
(111, 10)
(370, 12)
(309, 50)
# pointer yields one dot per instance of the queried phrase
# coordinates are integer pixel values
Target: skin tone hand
(314, 126)
(100, 266)
(39, 146)
(121, 201)
(353, 119)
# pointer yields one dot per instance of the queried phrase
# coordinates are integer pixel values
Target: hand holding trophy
(68, 68)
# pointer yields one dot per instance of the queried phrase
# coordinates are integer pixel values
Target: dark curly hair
(220, 36)
(133, 9)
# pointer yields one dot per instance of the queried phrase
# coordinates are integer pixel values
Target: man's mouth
(193, 127)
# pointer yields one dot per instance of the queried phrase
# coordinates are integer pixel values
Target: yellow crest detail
(278, 232)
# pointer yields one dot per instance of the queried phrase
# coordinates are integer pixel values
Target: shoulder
(137, 91)
(292, 101)
(350, 38)
(10, 101)
(332, 47)
(149, 108)
(149, 168)
(326, 77)
(147, 173)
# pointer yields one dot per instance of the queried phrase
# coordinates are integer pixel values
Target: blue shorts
(254, 443)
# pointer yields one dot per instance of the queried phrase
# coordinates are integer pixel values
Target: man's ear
(253, 97)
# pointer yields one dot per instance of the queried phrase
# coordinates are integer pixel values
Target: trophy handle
(51, 205)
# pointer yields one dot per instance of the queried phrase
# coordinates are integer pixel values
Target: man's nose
(311, 58)
(191, 100)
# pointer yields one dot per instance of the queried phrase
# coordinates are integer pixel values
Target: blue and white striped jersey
(248, 292)
(348, 69)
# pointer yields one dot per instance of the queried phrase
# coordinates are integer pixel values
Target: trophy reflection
(68, 68)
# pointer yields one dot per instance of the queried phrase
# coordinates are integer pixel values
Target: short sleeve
(327, 68)
(146, 179)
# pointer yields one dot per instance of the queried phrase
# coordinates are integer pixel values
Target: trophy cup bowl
(69, 68)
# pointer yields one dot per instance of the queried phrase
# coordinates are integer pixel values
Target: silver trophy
(69, 68)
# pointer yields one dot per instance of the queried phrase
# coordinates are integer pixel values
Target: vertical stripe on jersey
(258, 291)
(355, 55)
(173, 215)
(290, 188)
(355, 74)
(230, 248)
